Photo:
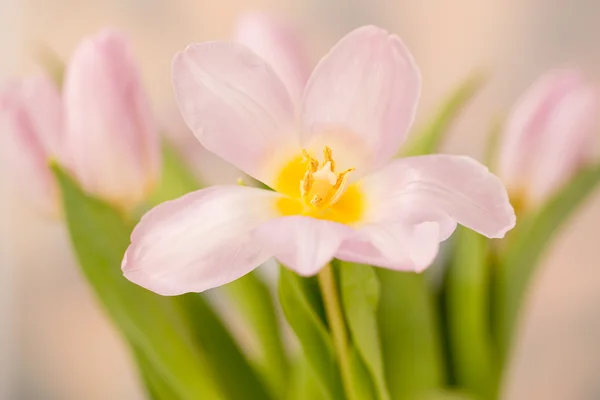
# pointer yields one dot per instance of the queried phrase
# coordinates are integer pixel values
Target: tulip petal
(278, 44)
(547, 135)
(394, 245)
(199, 241)
(31, 120)
(459, 187)
(567, 143)
(303, 244)
(111, 133)
(362, 97)
(235, 105)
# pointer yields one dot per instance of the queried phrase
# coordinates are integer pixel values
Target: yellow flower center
(315, 189)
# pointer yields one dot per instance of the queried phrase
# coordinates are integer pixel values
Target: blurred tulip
(31, 125)
(548, 136)
(276, 42)
(110, 131)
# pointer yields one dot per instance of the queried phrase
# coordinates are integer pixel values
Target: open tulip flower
(337, 191)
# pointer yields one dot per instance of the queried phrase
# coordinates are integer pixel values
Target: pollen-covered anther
(321, 186)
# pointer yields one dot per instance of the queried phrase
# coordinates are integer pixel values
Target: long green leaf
(153, 324)
(526, 243)
(468, 302)
(304, 384)
(362, 384)
(233, 370)
(155, 385)
(359, 288)
(255, 302)
(409, 334)
(429, 139)
(180, 337)
(298, 305)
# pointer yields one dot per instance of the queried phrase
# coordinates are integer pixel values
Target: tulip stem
(333, 309)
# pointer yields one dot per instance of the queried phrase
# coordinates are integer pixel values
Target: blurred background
(54, 339)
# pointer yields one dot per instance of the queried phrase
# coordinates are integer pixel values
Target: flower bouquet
(378, 293)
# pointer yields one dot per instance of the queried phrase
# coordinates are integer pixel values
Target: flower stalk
(333, 309)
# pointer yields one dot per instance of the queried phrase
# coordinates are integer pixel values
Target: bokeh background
(55, 342)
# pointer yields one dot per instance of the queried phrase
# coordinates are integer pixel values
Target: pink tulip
(548, 136)
(337, 190)
(31, 122)
(111, 133)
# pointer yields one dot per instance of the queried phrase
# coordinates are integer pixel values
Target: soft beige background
(62, 348)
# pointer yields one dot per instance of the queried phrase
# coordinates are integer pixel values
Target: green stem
(333, 309)
(468, 302)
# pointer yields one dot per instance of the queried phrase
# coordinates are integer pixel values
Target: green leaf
(158, 327)
(176, 179)
(304, 384)
(156, 387)
(359, 288)
(255, 302)
(233, 370)
(527, 242)
(468, 302)
(362, 385)
(493, 144)
(298, 302)
(429, 139)
(409, 334)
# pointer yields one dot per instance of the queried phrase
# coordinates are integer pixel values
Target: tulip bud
(110, 130)
(548, 136)
(31, 128)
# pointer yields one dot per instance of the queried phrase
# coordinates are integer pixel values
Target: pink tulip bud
(111, 133)
(548, 136)
(31, 127)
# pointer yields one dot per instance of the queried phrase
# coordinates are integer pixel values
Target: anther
(306, 184)
(312, 164)
(342, 177)
(328, 157)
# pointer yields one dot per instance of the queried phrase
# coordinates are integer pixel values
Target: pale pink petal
(547, 133)
(200, 241)
(568, 143)
(31, 127)
(41, 100)
(111, 132)
(394, 245)
(302, 244)
(362, 95)
(459, 187)
(235, 105)
(278, 44)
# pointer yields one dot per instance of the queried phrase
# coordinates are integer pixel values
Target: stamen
(320, 184)
(340, 185)
(313, 164)
(306, 184)
(328, 157)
